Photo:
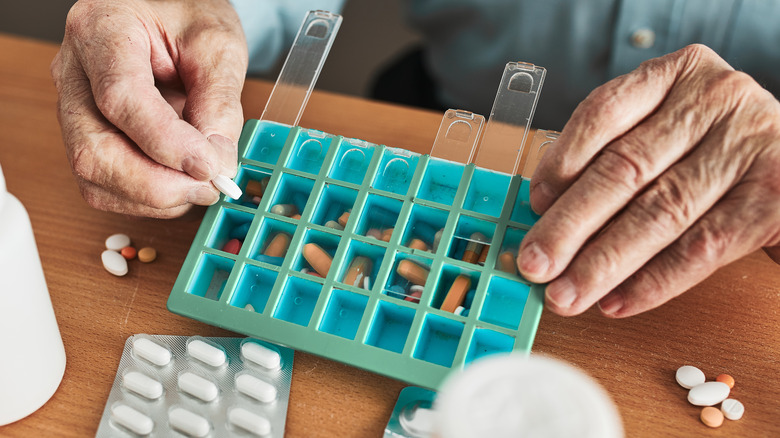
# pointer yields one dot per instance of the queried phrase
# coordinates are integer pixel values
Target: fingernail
(561, 293)
(196, 168)
(542, 197)
(202, 196)
(533, 261)
(610, 304)
(226, 150)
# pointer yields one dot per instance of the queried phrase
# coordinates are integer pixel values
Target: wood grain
(728, 324)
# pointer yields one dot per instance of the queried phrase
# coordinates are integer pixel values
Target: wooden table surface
(730, 323)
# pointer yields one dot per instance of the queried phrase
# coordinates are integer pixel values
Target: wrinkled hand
(660, 177)
(149, 101)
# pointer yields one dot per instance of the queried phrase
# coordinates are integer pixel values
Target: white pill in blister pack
(256, 388)
(188, 422)
(151, 351)
(131, 419)
(261, 355)
(142, 385)
(206, 353)
(198, 386)
(250, 422)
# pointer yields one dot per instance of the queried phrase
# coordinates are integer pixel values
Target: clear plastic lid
(457, 137)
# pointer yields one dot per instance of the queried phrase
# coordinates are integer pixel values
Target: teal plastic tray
(324, 175)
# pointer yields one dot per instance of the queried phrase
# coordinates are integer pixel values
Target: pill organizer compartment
(390, 326)
(333, 202)
(270, 228)
(329, 242)
(439, 340)
(254, 288)
(470, 234)
(230, 224)
(487, 192)
(424, 222)
(361, 253)
(352, 160)
(504, 302)
(297, 301)
(267, 143)
(309, 151)
(398, 287)
(211, 275)
(441, 180)
(522, 212)
(292, 190)
(380, 214)
(251, 177)
(510, 245)
(343, 313)
(396, 171)
(485, 342)
(446, 279)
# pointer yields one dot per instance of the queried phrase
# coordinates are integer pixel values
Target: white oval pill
(151, 351)
(131, 419)
(142, 385)
(732, 409)
(227, 186)
(689, 376)
(249, 421)
(263, 356)
(206, 353)
(708, 393)
(188, 422)
(114, 262)
(198, 386)
(117, 241)
(258, 389)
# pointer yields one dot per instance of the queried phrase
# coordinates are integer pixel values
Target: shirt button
(643, 38)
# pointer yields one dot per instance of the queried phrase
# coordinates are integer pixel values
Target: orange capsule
(412, 272)
(278, 245)
(474, 247)
(727, 379)
(506, 262)
(457, 293)
(343, 219)
(255, 188)
(359, 268)
(387, 234)
(128, 252)
(418, 244)
(318, 258)
(483, 255)
(295, 216)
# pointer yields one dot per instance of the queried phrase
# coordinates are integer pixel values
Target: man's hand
(660, 177)
(149, 101)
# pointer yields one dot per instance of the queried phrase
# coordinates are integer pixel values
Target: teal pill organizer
(365, 311)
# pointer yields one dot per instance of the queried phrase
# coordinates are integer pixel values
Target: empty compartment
(487, 192)
(352, 160)
(297, 302)
(522, 211)
(441, 180)
(343, 313)
(507, 258)
(309, 151)
(407, 278)
(425, 224)
(267, 142)
(230, 225)
(390, 326)
(334, 206)
(323, 248)
(455, 290)
(438, 341)
(379, 217)
(486, 342)
(210, 277)
(273, 241)
(471, 240)
(291, 196)
(361, 264)
(396, 171)
(253, 289)
(504, 302)
(253, 182)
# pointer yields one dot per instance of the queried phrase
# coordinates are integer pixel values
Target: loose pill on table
(708, 393)
(113, 262)
(506, 262)
(474, 247)
(334, 225)
(188, 422)
(727, 379)
(206, 353)
(318, 258)
(197, 386)
(227, 186)
(131, 419)
(151, 351)
(128, 252)
(359, 269)
(418, 244)
(142, 385)
(689, 376)
(412, 272)
(117, 241)
(261, 355)
(456, 294)
(284, 209)
(258, 389)
(732, 409)
(147, 255)
(712, 417)
(249, 421)
(343, 219)
(232, 246)
(278, 245)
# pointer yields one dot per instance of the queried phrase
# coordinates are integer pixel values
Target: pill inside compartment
(253, 182)
(362, 264)
(379, 217)
(504, 302)
(455, 290)
(230, 230)
(273, 241)
(471, 241)
(352, 160)
(507, 257)
(291, 196)
(487, 192)
(424, 228)
(440, 181)
(408, 277)
(267, 142)
(396, 171)
(315, 256)
(309, 151)
(334, 206)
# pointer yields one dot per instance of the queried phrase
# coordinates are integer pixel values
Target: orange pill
(506, 262)
(412, 272)
(725, 378)
(255, 188)
(128, 252)
(457, 293)
(343, 219)
(318, 258)
(474, 247)
(387, 234)
(147, 255)
(233, 246)
(278, 245)
(359, 268)
(418, 244)
(483, 255)
(712, 416)
(295, 216)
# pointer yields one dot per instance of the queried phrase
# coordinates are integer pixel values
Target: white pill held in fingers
(151, 351)
(117, 241)
(227, 186)
(206, 353)
(708, 393)
(131, 419)
(114, 262)
(250, 422)
(258, 389)
(142, 385)
(732, 409)
(188, 422)
(689, 376)
(198, 386)
(263, 356)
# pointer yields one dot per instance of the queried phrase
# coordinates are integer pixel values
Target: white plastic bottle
(32, 356)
